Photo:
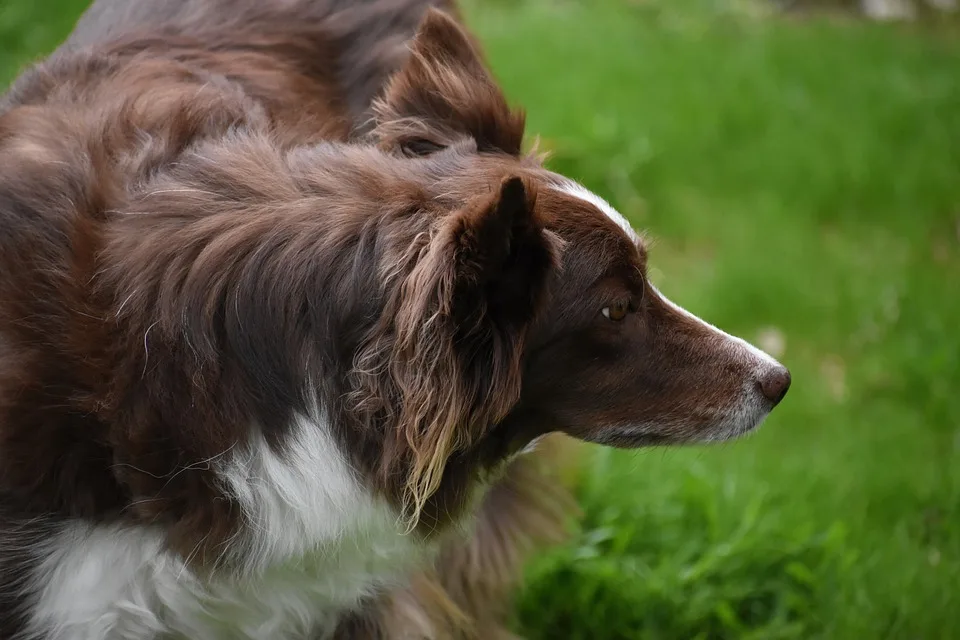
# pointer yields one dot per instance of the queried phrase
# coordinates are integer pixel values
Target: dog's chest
(106, 583)
(305, 598)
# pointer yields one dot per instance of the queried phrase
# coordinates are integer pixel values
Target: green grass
(796, 175)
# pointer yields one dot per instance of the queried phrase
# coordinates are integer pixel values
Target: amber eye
(616, 312)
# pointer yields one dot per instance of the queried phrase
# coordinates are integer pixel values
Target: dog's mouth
(731, 425)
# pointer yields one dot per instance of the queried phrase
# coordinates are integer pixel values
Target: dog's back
(359, 43)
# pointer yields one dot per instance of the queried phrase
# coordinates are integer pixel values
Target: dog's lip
(623, 439)
(642, 441)
(636, 437)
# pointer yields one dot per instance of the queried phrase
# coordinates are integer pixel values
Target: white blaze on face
(579, 191)
(762, 358)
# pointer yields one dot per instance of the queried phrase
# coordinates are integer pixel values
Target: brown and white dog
(281, 303)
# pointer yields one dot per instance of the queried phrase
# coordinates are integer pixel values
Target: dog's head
(535, 296)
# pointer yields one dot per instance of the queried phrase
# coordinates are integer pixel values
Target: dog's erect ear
(444, 93)
(460, 327)
(496, 255)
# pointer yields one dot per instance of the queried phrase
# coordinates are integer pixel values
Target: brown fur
(86, 129)
(192, 252)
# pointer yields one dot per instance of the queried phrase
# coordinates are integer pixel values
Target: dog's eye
(616, 312)
(419, 147)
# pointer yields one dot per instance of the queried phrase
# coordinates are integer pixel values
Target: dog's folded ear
(461, 326)
(444, 93)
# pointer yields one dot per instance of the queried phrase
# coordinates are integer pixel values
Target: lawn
(801, 180)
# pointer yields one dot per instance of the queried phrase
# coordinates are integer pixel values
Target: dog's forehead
(577, 212)
(578, 191)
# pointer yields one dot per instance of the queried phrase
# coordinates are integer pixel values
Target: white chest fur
(317, 544)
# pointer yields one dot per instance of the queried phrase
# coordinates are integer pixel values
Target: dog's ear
(444, 93)
(460, 327)
(492, 257)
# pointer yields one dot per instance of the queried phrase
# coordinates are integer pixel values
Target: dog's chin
(638, 436)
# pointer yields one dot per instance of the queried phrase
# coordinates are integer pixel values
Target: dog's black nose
(774, 383)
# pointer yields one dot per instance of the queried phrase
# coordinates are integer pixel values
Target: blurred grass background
(800, 176)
